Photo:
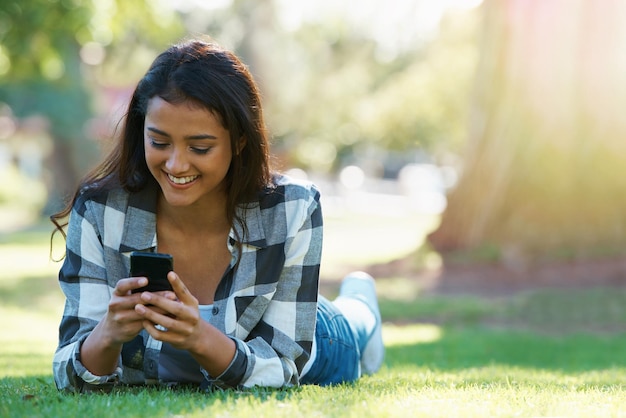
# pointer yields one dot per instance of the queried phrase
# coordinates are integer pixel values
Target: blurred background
(465, 144)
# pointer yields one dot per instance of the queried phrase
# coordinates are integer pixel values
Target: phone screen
(155, 267)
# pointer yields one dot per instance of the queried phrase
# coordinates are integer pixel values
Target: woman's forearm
(100, 354)
(214, 351)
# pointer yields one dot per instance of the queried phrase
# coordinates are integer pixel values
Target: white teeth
(182, 180)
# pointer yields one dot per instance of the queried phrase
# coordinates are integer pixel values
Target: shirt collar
(140, 223)
(251, 216)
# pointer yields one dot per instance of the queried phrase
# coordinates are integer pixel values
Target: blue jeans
(338, 354)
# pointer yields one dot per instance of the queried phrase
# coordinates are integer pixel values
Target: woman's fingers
(122, 323)
(124, 286)
(163, 305)
(183, 294)
(180, 303)
(171, 317)
(155, 315)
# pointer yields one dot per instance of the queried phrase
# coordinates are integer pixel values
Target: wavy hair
(206, 75)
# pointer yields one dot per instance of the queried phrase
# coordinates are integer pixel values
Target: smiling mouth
(181, 180)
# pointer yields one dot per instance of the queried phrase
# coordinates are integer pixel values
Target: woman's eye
(157, 145)
(200, 151)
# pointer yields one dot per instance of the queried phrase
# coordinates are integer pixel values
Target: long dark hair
(209, 76)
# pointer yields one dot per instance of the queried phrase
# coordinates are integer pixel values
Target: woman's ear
(241, 144)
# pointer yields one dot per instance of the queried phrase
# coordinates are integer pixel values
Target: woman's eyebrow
(163, 133)
(201, 136)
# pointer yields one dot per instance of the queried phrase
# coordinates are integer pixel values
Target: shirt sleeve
(276, 349)
(82, 279)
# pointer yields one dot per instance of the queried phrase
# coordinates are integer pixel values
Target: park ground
(467, 340)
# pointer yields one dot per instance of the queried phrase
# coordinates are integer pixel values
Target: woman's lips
(181, 181)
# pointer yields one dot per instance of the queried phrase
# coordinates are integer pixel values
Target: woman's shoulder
(285, 188)
(283, 208)
(93, 196)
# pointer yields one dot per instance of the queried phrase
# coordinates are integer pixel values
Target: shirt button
(216, 310)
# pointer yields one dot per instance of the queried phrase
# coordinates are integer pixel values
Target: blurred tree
(421, 99)
(40, 76)
(543, 172)
(344, 97)
(50, 56)
(332, 89)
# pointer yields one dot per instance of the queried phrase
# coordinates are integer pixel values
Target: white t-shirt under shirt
(179, 366)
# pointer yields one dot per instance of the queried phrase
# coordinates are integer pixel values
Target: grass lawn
(534, 354)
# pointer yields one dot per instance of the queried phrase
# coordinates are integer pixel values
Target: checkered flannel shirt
(266, 305)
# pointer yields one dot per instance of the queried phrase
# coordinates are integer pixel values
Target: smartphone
(155, 267)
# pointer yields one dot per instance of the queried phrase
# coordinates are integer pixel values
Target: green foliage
(348, 99)
(55, 55)
(41, 75)
(424, 102)
(331, 93)
(43, 72)
(133, 33)
(38, 37)
(34, 43)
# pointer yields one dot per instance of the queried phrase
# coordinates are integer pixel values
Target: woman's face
(187, 151)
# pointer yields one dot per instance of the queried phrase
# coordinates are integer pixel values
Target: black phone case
(155, 267)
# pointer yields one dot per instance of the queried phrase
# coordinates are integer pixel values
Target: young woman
(190, 176)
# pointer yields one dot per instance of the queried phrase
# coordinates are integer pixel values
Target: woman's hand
(100, 351)
(180, 316)
(184, 328)
(122, 323)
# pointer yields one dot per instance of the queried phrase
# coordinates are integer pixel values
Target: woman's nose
(177, 162)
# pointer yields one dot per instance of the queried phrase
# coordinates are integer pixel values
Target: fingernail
(140, 308)
(143, 281)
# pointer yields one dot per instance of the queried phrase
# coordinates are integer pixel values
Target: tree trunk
(543, 170)
(62, 178)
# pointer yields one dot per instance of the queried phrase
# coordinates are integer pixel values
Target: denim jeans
(338, 355)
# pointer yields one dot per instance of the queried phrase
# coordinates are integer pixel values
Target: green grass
(419, 392)
(595, 310)
(544, 353)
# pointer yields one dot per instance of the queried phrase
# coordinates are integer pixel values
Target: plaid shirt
(267, 304)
